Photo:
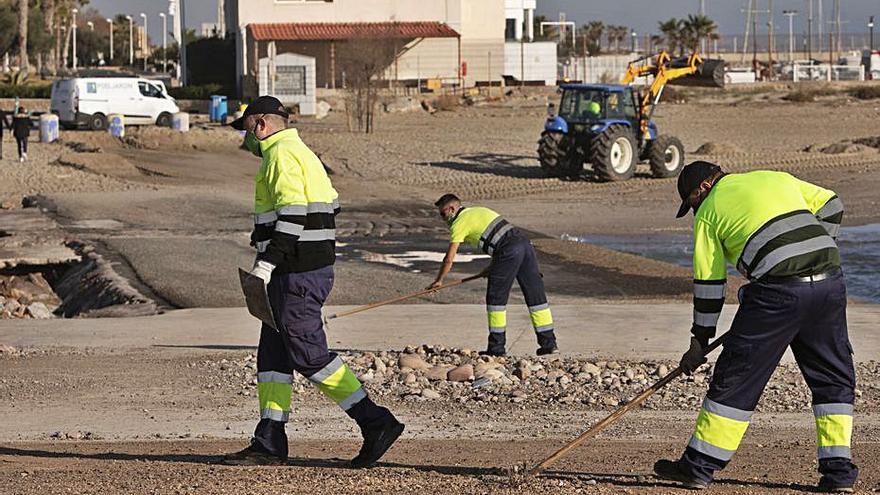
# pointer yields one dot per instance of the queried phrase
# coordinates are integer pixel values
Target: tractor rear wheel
(554, 153)
(613, 154)
(666, 156)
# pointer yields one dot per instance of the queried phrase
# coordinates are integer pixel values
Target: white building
(449, 42)
(515, 12)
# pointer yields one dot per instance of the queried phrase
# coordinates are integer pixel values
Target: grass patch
(808, 94)
(866, 92)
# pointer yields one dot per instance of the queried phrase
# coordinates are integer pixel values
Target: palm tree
(594, 32)
(23, 34)
(673, 34)
(696, 28)
(48, 7)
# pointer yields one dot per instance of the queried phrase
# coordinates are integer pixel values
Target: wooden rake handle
(613, 417)
(402, 298)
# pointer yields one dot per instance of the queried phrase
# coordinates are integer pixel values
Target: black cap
(262, 105)
(690, 178)
(446, 199)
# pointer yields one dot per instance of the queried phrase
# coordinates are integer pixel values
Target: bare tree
(363, 59)
(23, 34)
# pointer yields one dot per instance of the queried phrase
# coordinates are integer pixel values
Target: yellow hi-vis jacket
(767, 224)
(295, 206)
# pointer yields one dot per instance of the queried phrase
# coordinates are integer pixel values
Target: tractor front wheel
(666, 157)
(613, 154)
(554, 153)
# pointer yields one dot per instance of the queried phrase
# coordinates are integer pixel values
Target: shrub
(25, 91)
(202, 92)
(866, 92)
(803, 95)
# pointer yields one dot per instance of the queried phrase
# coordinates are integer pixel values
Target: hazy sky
(642, 15)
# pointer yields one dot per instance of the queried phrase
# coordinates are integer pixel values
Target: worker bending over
(513, 257)
(295, 236)
(780, 233)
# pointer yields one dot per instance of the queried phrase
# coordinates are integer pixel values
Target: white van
(88, 101)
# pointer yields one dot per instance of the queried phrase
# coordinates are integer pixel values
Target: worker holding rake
(780, 232)
(513, 257)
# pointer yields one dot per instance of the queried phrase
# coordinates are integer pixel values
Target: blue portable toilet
(219, 109)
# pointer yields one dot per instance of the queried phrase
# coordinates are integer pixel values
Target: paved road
(622, 331)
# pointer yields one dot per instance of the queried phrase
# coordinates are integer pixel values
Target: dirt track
(437, 466)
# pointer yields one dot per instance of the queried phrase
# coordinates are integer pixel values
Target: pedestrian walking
(21, 130)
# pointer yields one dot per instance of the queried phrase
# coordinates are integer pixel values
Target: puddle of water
(408, 259)
(859, 251)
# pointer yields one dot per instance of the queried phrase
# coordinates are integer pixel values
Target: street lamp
(110, 22)
(790, 14)
(91, 25)
(73, 27)
(144, 44)
(164, 42)
(871, 30)
(634, 36)
(130, 40)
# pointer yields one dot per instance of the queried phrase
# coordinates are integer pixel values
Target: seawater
(859, 252)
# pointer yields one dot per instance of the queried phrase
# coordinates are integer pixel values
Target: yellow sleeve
(709, 262)
(815, 196)
(285, 180)
(458, 231)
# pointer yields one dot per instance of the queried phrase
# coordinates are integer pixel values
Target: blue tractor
(609, 126)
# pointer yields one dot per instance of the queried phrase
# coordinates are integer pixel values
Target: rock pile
(435, 373)
(27, 296)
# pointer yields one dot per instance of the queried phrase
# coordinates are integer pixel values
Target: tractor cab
(591, 104)
(590, 108)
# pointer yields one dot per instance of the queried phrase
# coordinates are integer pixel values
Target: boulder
(461, 373)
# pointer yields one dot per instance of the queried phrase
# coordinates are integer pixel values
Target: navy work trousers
(809, 317)
(515, 259)
(300, 344)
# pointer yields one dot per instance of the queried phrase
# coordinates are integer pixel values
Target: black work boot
(496, 346)
(252, 455)
(671, 470)
(827, 486)
(547, 343)
(377, 441)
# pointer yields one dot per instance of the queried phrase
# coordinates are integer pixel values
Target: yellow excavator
(609, 126)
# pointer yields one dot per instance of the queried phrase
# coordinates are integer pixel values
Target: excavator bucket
(709, 74)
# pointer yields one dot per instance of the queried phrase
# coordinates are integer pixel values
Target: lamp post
(144, 43)
(110, 24)
(164, 42)
(73, 27)
(634, 36)
(790, 14)
(871, 31)
(130, 40)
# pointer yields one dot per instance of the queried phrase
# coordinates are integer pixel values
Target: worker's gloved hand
(263, 269)
(694, 357)
(434, 285)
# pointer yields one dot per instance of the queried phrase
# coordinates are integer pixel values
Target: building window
(510, 30)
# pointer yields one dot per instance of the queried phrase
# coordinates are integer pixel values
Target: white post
(164, 42)
(531, 24)
(130, 40)
(272, 67)
(144, 43)
(110, 22)
(73, 26)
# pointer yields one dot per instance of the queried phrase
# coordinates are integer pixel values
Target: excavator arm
(662, 71)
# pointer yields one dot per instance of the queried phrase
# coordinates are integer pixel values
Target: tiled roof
(318, 31)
